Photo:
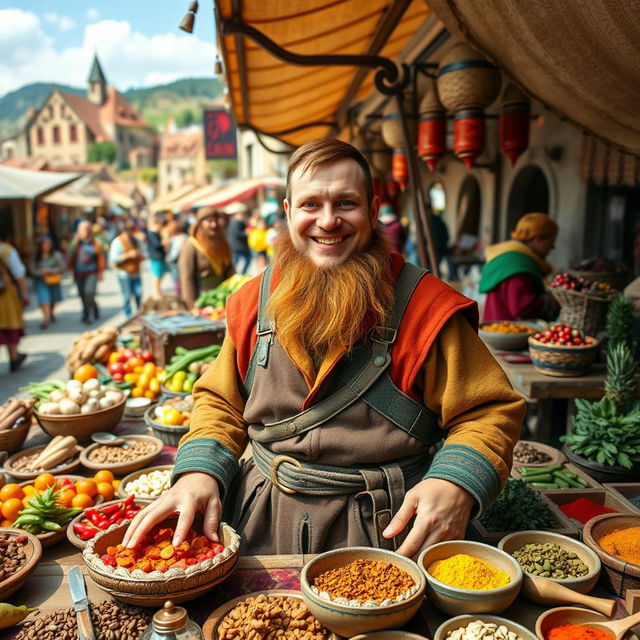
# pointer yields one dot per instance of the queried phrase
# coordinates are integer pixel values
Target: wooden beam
(242, 61)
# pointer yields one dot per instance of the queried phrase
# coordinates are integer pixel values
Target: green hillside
(184, 99)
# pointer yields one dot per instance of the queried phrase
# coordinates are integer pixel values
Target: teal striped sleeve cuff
(469, 469)
(208, 456)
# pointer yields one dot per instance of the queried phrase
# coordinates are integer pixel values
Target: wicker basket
(168, 434)
(562, 361)
(12, 439)
(615, 279)
(583, 311)
(151, 590)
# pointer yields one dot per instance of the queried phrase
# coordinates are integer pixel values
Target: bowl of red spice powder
(615, 538)
(359, 589)
(572, 623)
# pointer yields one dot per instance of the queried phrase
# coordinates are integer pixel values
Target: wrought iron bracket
(389, 79)
(425, 68)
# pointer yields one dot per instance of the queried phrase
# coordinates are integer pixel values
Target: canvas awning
(166, 203)
(22, 183)
(188, 200)
(238, 191)
(63, 198)
(579, 59)
(273, 96)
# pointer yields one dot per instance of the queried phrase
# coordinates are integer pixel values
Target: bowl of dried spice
(470, 577)
(358, 589)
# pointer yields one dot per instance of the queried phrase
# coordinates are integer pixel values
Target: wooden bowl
(33, 553)
(120, 468)
(149, 589)
(455, 601)
(82, 425)
(389, 634)
(561, 361)
(508, 341)
(212, 623)
(557, 457)
(136, 474)
(618, 575)
(346, 620)
(569, 615)
(168, 434)
(54, 537)
(81, 544)
(515, 541)
(30, 475)
(12, 439)
(462, 621)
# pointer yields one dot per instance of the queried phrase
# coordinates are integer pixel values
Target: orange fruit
(85, 372)
(11, 490)
(82, 501)
(87, 486)
(29, 490)
(115, 484)
(6, 523)
(106, 490)
(43, 481)
(11, 508)
(25, 501)
(104, 475)
(66, 497)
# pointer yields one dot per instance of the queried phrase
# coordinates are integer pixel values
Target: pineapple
(620, 322)
(620, 384)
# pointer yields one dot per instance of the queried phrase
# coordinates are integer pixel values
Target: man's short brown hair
(325, 151)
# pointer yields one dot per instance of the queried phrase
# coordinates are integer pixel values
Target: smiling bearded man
(343, 366)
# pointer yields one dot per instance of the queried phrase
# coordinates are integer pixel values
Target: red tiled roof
(24, 162)
(89, 113)
(118, 110)
(181, 145)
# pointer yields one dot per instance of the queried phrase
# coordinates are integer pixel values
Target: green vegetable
(191, 356)
(42, 390)
(218, 297)
(44, 514)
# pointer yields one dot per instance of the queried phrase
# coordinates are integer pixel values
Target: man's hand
(442, 511)
(192, 492)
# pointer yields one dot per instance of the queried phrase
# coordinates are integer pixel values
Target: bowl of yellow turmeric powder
(470, 577)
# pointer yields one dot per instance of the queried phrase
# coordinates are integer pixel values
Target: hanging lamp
(515, 118)
(467, 84)
(432, 130)
(392, 135)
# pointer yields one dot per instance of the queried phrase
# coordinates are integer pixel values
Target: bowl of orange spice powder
(615, 537)
(359, 589)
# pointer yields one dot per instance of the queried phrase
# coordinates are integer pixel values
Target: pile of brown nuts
(526, 453)
(25, 463)
(113, 455)
(270, 617)
(111, 621)
(364, 581)
(12, 555)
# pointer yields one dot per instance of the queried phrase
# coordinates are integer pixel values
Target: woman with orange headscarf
(514, 272)
(205, 258)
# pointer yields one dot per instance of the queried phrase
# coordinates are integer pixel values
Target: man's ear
(287, 209)
(374, 210)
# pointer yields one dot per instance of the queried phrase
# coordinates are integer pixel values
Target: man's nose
(328, 219)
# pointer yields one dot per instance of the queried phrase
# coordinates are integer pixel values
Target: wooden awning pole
(428, 257)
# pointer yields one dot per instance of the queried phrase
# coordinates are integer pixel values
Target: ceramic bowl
(33, 553)
(136, 407)
(508, 341)
(154, 589)
(556, 456)
(346, 620)
(136, 474)
(463, 621)
(119, 468)
(515, 541)
(455, 601)
(388, 635)
(569, 615)
(70, 464)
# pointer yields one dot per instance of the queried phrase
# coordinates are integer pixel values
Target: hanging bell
(515, 118)
(432, 130)
(467, 84)
(189, 20)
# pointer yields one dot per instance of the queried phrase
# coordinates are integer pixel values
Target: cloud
(92, 14)
(64, 23)
(128, 57)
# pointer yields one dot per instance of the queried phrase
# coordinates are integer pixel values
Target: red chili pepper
(93, 516)
(131, 513)
(84, 531)
(129, 501)
(110, 508)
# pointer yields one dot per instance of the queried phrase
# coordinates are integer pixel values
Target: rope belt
(291, 475)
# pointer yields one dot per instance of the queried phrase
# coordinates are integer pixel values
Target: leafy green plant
(620, 323)
(608, 430)
(102, 152)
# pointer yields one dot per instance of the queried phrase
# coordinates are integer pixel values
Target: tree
(102, 152)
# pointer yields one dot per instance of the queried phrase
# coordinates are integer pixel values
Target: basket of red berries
(583, 303)
(562, 351)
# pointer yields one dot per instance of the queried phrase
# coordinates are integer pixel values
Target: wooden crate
(599, 496)
(624, 491)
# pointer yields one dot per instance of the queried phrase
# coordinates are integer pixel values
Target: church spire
(97, 90)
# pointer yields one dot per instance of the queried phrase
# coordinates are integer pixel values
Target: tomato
(66, 497)
(43, 481)
(116, 367)
(135, 362)
(113, 357)
(106, 490)
(88, 486)
(11, 490)
(11, 508)
(82, 501)
(122, 358)
(147, 356)
(118, 377)
(129, 353)
(85, 372)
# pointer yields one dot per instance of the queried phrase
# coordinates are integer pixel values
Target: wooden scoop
(617, 628)
(544, 591)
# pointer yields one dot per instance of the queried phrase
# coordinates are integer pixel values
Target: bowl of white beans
(148, 483)
(477, 627)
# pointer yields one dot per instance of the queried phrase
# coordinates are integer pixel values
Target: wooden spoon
(617, 628)
(544, 591)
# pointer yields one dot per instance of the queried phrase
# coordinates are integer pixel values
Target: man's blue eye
(347, 203)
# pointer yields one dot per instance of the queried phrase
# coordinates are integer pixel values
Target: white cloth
(14, 264)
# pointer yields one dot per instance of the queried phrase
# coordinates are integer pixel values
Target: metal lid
(170, 618)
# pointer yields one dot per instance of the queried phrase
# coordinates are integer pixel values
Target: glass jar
(172, 623)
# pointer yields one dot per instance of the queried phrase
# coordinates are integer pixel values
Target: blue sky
(138, 41)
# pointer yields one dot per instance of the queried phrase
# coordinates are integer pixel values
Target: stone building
(182, 161)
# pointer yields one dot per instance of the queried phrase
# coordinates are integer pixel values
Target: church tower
(97, 90)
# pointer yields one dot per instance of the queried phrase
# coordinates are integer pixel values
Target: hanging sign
(219, 135)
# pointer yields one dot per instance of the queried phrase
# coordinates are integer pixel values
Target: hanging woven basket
(585, 312)
(515, 117)
(432, 129)
(466, 79)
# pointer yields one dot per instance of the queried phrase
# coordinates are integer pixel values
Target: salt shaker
(172, 623)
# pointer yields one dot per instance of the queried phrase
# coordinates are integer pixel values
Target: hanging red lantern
(467, 84)
(392, 135)
(399, 168)
(515, 118)
(432, 130)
